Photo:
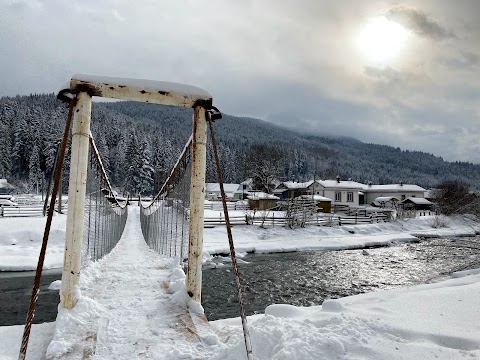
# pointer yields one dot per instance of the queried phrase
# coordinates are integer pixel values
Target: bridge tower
(81, 89)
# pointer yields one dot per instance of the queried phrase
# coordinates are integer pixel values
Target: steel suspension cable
(38, 273)
(246, 333)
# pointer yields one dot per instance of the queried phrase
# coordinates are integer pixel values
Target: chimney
(401, 183)
(338, 179)
(369, 184)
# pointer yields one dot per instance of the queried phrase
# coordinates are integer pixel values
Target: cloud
(419, 22)
(288, 64)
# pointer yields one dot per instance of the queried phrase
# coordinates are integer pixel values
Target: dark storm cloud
(419, 22)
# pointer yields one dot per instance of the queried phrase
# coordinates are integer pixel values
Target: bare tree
(264, 164)
(454, 196)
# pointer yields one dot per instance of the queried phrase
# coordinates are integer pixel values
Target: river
(300, 278)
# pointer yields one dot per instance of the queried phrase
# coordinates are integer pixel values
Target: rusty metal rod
(38, 274)
(246, 333)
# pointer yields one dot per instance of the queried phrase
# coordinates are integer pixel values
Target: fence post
(356, 214)
(76, 199)
(197, 193)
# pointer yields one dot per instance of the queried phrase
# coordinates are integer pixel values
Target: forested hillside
(139, 142)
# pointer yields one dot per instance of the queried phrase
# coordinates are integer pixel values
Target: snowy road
(132, 305)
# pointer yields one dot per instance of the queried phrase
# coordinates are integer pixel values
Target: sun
(381, 40)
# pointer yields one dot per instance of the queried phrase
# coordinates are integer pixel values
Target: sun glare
(381, 39)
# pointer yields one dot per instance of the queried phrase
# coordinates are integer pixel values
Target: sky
(401, 73)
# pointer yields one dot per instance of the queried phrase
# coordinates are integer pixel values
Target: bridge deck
(133, 305)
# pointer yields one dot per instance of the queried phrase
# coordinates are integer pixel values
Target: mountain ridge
(34, 123)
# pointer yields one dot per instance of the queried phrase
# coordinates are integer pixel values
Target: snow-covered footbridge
(132, 304)
(124, 292)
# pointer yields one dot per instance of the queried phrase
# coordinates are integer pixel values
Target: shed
(417, 203)
(262, 201)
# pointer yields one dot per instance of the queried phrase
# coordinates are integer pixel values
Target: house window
(350, 196)
(338, 196)
(403, 197)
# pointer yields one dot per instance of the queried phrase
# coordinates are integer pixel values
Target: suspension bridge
(132, 274)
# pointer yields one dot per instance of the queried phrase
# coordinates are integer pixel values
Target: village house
(212, 191)
(417, 203)
(341, 192)
(292, 189)
(400, 191)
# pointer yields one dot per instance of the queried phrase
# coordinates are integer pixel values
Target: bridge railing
(104, 215)
(165, 221)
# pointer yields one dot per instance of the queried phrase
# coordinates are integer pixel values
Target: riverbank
(431, 321)
(256, 239)
(20, 238)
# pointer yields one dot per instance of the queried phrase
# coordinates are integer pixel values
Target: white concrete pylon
(76, 200)
(197, 196)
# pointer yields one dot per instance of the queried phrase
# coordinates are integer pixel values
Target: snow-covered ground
(20, 238)
(432, 321)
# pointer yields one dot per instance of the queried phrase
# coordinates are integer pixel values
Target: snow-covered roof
(417, 201)
(157, 92)
(384, 199)
(316, 198)
(394, 188)
(342, 184)
(262, 196)
(215, 187)
(291, 185)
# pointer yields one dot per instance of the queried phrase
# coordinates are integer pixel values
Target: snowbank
(433, 321)
(20, 238)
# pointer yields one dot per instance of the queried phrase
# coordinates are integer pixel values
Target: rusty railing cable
(38, 274)
(246, 333)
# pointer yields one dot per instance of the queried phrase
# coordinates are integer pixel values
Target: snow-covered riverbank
(20, 238)
(431, 321)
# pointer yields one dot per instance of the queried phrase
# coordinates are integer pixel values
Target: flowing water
(301, 278)
(308, 278)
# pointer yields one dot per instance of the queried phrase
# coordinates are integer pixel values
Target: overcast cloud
(293, 63)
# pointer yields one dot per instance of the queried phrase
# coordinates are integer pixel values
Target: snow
(433, 321)
(149, 85)
(342, 184)
(21, 240)
(259, 195)
(132, 305)
(291, 185)
(384, 199)
(418, 201)
(395, 187)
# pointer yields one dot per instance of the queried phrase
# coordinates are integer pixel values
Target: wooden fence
(218, 206)
(21, 211)
(27, 210)
(281, 220)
